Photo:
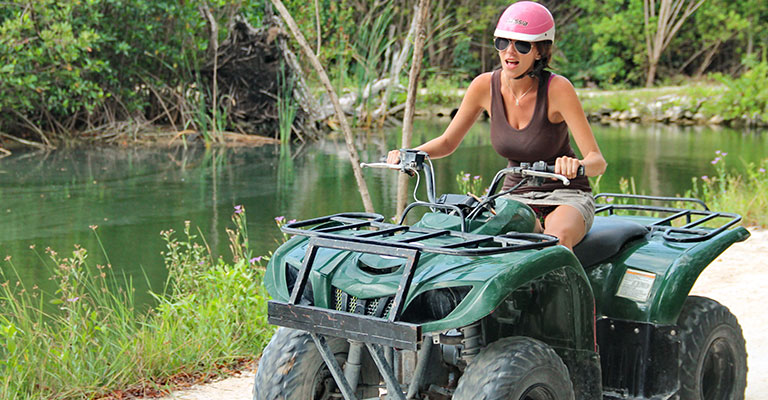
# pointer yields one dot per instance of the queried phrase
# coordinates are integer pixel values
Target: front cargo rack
(691, 231)
(368, 228)
(367, 233)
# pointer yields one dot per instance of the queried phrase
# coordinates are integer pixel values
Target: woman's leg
(567, 224)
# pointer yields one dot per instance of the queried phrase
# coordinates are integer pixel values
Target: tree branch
(354, 159)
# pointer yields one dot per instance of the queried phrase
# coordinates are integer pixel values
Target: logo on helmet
(517, 21)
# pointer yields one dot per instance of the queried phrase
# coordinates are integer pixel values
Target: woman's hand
(393, 157)
(567, 166)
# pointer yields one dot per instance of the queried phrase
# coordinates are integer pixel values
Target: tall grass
(87, 339)
(726, 191)
(744, 194)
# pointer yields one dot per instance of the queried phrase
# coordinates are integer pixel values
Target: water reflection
(51, 199)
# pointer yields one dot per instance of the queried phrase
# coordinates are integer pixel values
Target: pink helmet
(527, 21)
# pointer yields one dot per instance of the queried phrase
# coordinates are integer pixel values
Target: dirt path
(738, 279)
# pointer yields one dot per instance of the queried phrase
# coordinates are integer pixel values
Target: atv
(469, 303)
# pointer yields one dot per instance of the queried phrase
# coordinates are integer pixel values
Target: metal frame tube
(421, 367)
(352, 366)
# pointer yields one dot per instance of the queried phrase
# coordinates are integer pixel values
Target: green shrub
(68, 65)
(747, 95)
(49, 60)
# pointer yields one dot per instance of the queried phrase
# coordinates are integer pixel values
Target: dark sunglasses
(502, 44)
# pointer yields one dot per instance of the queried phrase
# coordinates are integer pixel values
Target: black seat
(606, 238)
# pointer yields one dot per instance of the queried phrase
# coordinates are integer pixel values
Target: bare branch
(410, 103)
(25, 142)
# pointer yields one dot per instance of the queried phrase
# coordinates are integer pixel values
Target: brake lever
(401, 167)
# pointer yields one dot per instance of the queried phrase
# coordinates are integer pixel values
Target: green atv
(469, 304)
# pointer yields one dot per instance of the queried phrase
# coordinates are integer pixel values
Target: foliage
(73, 64)
(724, 191)
(441, 91)
(87, 338)
(46, 57)
(70, 66)
(470, 184)
(747, 95)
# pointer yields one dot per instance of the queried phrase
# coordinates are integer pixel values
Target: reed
(286, 106)
(368, 51)
(85, 338)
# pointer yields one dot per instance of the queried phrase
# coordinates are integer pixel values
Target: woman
(531, 112)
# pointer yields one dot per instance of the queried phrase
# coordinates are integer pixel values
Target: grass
(86, 339)
(687, 96)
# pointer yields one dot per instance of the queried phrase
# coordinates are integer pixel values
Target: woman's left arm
(565, 102)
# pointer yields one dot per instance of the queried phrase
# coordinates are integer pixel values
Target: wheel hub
(718, 371)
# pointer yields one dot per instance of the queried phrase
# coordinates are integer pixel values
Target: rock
(716, 120)
(673, 114)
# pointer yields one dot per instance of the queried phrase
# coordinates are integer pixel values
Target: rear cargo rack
(368, 228)
(692, 231)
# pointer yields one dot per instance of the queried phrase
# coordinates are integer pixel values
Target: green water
(51, 200)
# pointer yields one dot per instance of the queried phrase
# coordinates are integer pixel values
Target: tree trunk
(651, 77)
(671, 17)
(354, 159)
(410, 103)
(708, 59)
(214, 50)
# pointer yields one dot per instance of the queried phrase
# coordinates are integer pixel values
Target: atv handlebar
(412, 162)
(380, 165)
(541, 174)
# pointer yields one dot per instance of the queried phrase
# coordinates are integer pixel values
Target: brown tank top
(540, 140)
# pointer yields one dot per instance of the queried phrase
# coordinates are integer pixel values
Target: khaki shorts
(578, 199)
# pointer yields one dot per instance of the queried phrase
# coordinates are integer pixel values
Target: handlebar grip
(579, 172)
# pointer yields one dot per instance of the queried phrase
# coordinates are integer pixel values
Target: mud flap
(639, 360)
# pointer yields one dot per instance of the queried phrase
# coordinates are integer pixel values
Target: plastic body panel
(675, 265)
(492, 278)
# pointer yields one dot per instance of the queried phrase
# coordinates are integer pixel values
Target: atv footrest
(401, 335)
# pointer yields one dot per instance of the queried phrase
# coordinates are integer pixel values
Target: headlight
(291, 274)
(434, 304)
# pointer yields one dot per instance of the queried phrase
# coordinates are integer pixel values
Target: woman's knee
(567, 224)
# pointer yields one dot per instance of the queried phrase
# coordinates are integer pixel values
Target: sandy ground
(738, 279)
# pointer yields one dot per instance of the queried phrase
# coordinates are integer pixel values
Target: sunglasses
(502, 44)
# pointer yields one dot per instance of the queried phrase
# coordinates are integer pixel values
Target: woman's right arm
(477, 98)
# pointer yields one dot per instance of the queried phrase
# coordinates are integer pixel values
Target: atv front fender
(546, 294)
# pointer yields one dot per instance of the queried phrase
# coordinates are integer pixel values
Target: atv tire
(713, 352)
(515, 368)
(291, 368)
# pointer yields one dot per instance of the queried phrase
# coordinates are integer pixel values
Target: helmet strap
(524, 74)
(536, 69)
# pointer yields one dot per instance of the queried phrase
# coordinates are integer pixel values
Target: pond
(129, 195)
